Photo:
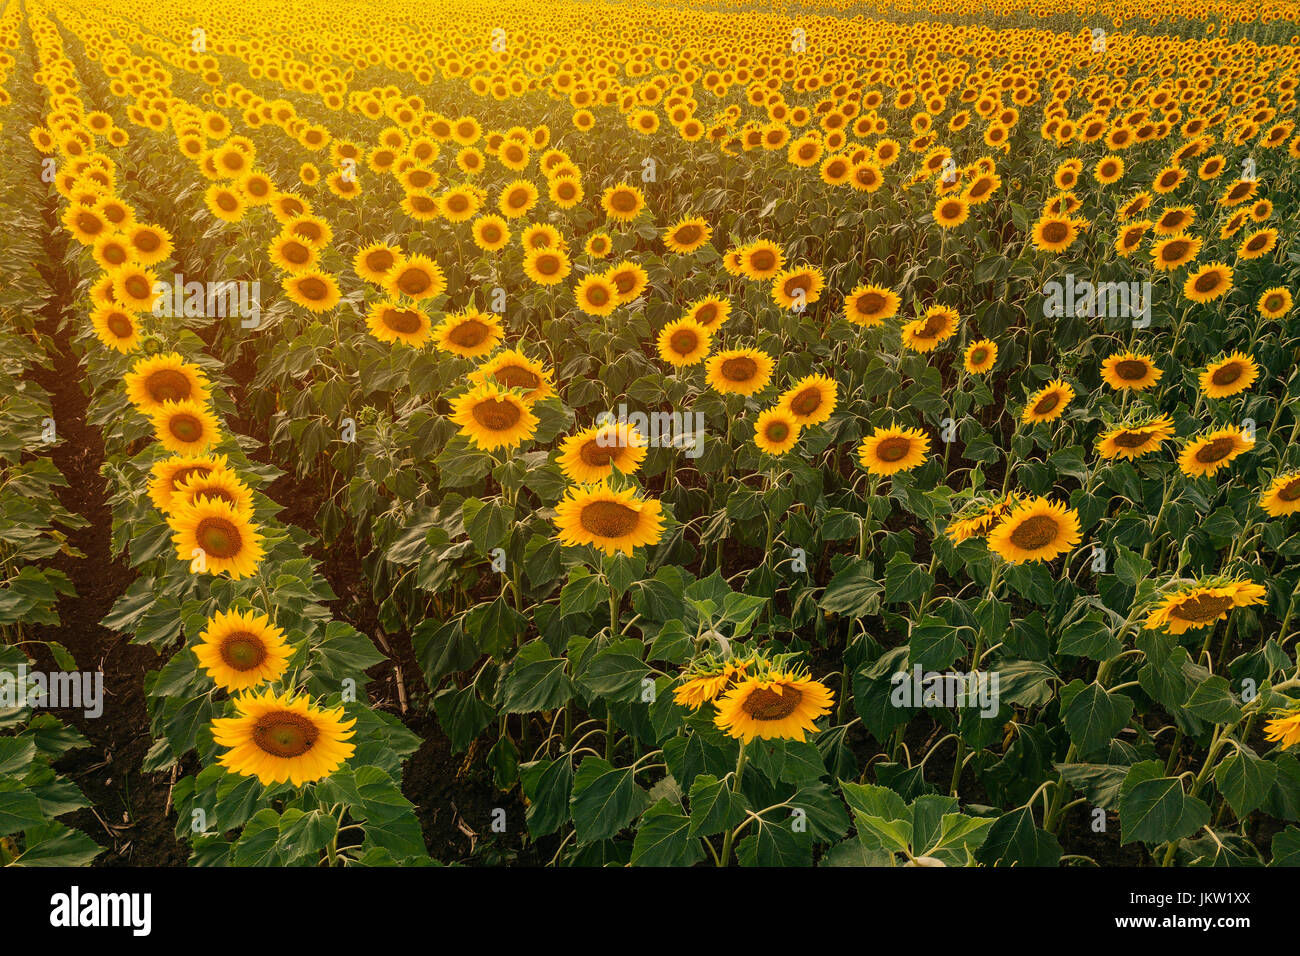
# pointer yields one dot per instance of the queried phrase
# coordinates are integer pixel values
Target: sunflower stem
(724, 858)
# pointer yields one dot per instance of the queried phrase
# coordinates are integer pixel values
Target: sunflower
(781, 705)
(870, 305)
(492, 417)
(1282, 496)
(810, 400)
(951, 212)
(596, 295)
(683, 342)
(1258, 243)
(709, 681)
(115, 327)
(1055, 233)
(1207, 453)
(1230, 375)
(416, 277)
(490, 233)
(546, 266)
(217, 534)
(241, 649)
(687, 235)
(511, 368)
(135, 288)
(776, 431)
(1175, 220)
(1035, 530)
(937, 325)
(622, 202)
(315, 291)
(565, 192)
(612, 521)
(866, 176)
(167, 475)
(219, 483)
(739, 371)
(797, 288)
(1130, 370)
(149, 244)
(111, 250)
(517, 198)
(1173, 251)
(283, 738)
(1109, 169)
(1134, 206)
(980, 517)
(293, 254)
(598, 245)
(225, 202)
(374, 262)
(593, 454)
(980, 356)
(185, 427)
(542, 235)
(629, 278)
(710, 312)
(1131, 236)
(469, 334)
(394, 322)
(887, 451)
(1202, 604)
(85, 223)
(1135, 439)
(155, 380)
(1048, 403)
(1275, 302)
(1169, 179)
(761, 260)
(1209, 282)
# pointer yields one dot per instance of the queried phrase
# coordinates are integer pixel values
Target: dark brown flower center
(243, 651)
(119, 325)
(469, 333)
(1131, 370)
(767, 704)
(219, 537)
(609, 519)
(740, 368)
(313, 289)
(1055, 231)
(1216, 450)
(1201, 608)
(285, 734)
(1047, 403)
(1290, 491)
(404, 321)
(893, 449)
(596, 455)
(688, 234)
(414, 281)
(1228, 373)
(496, 415)
(807, 401)
(1034, 532)
(1207, 282)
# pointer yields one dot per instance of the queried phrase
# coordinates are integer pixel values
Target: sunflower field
(650, 433)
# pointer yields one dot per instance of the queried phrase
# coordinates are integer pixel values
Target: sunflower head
(1035, 530)
(613, 521)
(241, 649)
(283, 738)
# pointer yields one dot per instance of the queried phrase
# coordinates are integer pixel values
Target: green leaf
(1093, 716)
(852, 591)
(1157, 811)
(664, 838)
(1245, 781)
(1015, 840)
(605, 800)
(715, 806)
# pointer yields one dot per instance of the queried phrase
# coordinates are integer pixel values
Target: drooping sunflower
(1275, 302)
(687, 235)
(1282, 497)
(1048, 403)
(394, 322)
(315, 291)
(492, 417)
(926, 333)
(1135, 439)
(282, 738)
(1130, 370)
(241, 649)
(980, 357)
(761, 260)
(1035, 530)
(592, 455)
(469, 334)
(797, 288)
(683, 342)
(780, 705)
(739, 371)
(214, 537)
(708, 681)
(185, 427)
(612, 521)
(776, 431)
(116, 328)
(887, 451)
(871, 305)
(1173, 251)
(416, 277)
(810, 400)
(1211, 281)
(622, 202)
(1207, 453)
(1202, 604)
(1229, 376)
(511, 368)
